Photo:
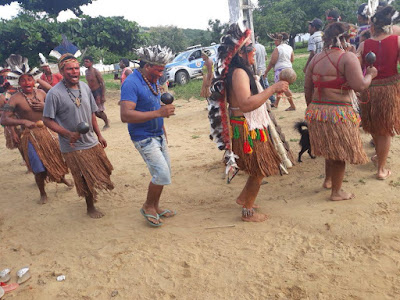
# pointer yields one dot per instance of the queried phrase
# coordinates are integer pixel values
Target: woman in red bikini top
(333, 72)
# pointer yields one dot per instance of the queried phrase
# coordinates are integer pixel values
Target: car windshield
(181, 57)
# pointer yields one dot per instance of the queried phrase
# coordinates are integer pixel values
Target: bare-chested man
(39, 145)
(98, 88)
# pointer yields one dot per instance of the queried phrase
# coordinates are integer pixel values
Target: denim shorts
(154, 151)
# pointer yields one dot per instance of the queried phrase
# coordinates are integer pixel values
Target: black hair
(125, 61)
(332, 32)
(382, 18)
(142, 63)
(239, 63)
(88, 58)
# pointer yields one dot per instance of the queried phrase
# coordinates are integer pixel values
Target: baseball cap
(317, 23)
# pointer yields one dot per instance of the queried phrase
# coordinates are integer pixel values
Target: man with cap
(315, 43)
(142, 110)
(69, 103)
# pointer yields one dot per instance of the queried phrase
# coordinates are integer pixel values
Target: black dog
(304, 140)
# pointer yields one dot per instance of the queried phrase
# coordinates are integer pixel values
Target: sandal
(290, 108)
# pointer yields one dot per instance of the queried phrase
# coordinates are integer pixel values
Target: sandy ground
(309, 248)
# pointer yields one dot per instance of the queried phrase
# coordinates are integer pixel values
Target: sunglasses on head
(249, 48)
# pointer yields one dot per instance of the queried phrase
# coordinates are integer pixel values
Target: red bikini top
(339, 83)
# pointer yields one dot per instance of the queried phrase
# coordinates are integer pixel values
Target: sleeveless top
(386, 52)
(339, 83)
(123, 76)
(285, 53)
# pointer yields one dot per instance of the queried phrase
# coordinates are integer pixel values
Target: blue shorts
(34, 160)
(154, 151)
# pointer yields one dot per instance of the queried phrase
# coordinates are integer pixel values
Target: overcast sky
(180, 13)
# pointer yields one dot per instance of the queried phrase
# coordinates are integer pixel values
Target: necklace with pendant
(75, 100)
(33, 99)
(155, 93)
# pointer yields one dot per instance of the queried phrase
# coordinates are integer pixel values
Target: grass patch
(195, 136)
(187, 91)
(294, 140)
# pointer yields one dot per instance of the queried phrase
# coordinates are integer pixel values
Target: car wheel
(181, 77)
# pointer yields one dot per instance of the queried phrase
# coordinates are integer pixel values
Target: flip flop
(147, 216)
(10, 287)
(384, 177)
(290, 109)
(167, 211)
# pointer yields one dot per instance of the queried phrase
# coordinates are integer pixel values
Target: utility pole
(242, 9)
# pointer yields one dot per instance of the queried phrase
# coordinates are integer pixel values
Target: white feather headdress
(156, 55)
(19, 66)
(43, 60)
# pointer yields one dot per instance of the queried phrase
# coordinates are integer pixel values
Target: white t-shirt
(285, 53)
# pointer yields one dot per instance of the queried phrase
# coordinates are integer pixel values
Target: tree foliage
(292, 16)
(104, 38)
(170, 36)
(51, 7)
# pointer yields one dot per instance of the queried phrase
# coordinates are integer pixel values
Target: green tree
(27, 35)
(292, 16)
(51, 7)
(170, 36)
(216, 28)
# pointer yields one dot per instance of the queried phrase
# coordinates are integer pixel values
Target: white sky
(147, 13)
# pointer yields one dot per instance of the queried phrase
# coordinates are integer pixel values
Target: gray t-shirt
(59, 107)
(315, 42)
(261, 54)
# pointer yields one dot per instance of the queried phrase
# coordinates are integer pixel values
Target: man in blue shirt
(142, 110)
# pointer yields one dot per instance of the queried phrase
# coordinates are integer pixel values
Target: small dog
(304, 140)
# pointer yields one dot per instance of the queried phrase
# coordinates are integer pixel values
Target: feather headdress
(19, 66)
(65, 47)
(370, 8)
(234, 39)
(43, 60)
(156, 55)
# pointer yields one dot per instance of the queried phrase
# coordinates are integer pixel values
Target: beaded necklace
(149, 85)
(34, 98)
(75, 100)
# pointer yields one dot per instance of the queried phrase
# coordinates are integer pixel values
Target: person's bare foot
(68, 183)
(382, 175)
(327, 184)
(341, 195)
(241, 203)
(165, 213)
(256, 217)
(94, 213)
(290, 108)
(43, 199)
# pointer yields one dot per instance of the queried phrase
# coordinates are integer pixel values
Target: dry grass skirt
(90, 169)
(334, 131)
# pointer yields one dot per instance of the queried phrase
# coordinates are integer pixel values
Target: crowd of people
(343, 88)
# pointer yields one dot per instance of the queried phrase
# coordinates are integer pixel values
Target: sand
(309, 248)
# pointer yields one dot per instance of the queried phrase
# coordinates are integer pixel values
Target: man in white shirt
(315, 42)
